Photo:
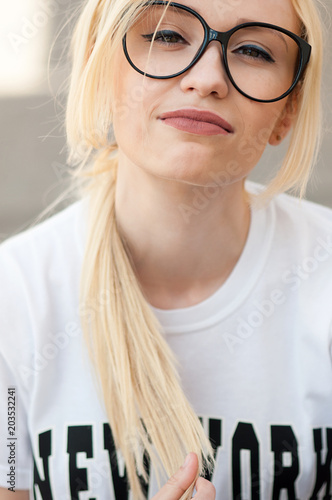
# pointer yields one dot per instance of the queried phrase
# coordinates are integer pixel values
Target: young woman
(176, 310)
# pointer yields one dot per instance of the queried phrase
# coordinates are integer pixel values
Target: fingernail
(187, 460)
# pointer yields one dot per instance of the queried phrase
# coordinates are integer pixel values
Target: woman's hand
(182, 479)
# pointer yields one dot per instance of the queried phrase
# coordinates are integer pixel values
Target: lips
(197, 121)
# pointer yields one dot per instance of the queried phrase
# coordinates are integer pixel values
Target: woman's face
(194, 156)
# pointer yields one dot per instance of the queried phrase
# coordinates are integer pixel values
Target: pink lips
(196, 121)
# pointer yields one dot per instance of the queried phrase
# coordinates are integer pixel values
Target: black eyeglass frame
(223, 37)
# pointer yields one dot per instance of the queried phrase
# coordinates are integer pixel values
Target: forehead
(224, 14)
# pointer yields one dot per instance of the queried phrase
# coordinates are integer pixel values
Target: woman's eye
(254, 52)
(166, 37)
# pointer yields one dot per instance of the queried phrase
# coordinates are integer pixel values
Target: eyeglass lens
(263, 62)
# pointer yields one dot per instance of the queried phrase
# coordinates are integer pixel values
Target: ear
(285, 120)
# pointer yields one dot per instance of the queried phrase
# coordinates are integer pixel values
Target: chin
(192, 173)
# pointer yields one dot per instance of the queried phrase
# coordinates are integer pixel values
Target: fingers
(180, 482)
(205, 490)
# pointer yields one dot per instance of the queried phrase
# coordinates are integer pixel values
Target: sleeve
(15, 449)
(15, 354)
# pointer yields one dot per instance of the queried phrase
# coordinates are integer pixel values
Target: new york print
(283, 442)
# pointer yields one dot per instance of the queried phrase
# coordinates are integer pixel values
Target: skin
(182, 479)
(179, 262)
(173, 489)
(9, 495)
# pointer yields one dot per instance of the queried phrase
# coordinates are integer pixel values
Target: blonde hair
(294, 174)
(144, 401)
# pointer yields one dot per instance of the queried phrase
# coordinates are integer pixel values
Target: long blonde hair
(146, 406)
(305, 140)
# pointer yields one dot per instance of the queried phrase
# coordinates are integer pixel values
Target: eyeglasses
(264, 62)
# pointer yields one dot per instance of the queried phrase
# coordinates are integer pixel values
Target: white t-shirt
(255, 362)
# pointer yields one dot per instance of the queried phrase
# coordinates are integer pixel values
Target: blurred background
(33, 73)
(33, 169)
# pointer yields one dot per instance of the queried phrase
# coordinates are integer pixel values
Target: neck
(183, 244)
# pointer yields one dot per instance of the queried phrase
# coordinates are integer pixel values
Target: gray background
(32, 140)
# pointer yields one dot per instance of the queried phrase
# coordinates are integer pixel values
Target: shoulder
(300, 245)
(37, 265)
(62, 227)
(60, 237)
(305, 226)
(39, 279)
(298, 219)
(310, 214)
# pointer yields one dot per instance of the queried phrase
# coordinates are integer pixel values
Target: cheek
(136, 98)
(128, 118)
(258, 122)
(132, 110)
(126, 101)
(132, 92)
(261, 123)
(137, 104)
(127, 95)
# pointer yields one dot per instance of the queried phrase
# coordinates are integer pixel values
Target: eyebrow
(243, 20)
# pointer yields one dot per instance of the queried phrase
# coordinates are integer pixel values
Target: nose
(208, 75)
